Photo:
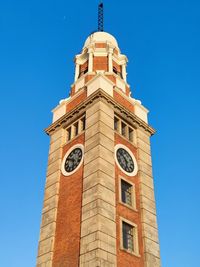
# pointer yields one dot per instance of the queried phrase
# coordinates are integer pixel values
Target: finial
(100, 17)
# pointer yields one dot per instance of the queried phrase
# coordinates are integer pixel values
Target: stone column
(90, 61)
(147, 201)
(124, 72)
(49, 212)
(98, 226)
(110, 62)
(77, 71)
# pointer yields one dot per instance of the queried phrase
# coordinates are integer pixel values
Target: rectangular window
(116, 124)
(115, 70)
(76, 128)
(83, 124)
(128, 238)
(126, 192)
(69, 134)
(123, 129)
(130, 134)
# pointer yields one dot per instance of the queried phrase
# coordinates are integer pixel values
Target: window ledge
(128, 206)
(130, 252)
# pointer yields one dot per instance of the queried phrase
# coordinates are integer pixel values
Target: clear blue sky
(38, 40)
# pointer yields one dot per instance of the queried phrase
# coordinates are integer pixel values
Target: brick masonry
(123, 257)
(67, 235)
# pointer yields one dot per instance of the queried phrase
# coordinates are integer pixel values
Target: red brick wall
(112, 78)
(88, 78)
(121, 100)
(84, 66)
(125, 259)
(76, 101)
(100, 63)
(67, 240)
(100, 45)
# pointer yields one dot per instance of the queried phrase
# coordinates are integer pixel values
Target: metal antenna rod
(100, 17)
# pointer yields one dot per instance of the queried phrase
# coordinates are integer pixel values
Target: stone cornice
(80, 110)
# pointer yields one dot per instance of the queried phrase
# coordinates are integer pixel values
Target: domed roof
(100, 37)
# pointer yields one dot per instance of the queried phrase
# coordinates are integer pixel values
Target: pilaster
(98, 226)
(147, 201)
(90, 61)
(77, 71)
(49, 212)
(110, 60)
(124, 71)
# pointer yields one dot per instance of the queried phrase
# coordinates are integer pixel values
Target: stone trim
(133, 205)
(68, 118)
(65, 157)
(132, 156)
(50, 203)
(135, 237)
(147, 202)
(98, 221)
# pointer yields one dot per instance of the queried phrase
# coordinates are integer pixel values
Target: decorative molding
(136, 251)
(120, 59)
(133, 205)
(134, 172)
(66, 119)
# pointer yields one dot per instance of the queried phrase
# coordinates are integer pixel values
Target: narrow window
(120, 74)
(115, 70)
(76, 128)
(123, 129)
(116, 124)
(126, 192)
(127, 232)
(82, 72)
(85, 70)
(69, 134)
(130, 134)
(83, 124)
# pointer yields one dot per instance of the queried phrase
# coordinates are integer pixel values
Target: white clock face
(126, 160)
(72, 160)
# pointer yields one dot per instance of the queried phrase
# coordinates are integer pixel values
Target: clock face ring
(72, 160)
(125, 160)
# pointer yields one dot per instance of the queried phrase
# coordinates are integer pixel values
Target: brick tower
(99, 206)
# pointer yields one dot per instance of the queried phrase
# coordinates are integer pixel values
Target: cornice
(80, 110)
(120, 59)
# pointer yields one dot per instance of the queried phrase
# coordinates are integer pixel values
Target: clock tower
(99, 205)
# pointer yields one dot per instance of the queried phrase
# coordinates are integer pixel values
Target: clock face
(72, 160)
(126, 160)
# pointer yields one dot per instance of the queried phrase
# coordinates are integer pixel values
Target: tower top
(99, 37)
(100, 17)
